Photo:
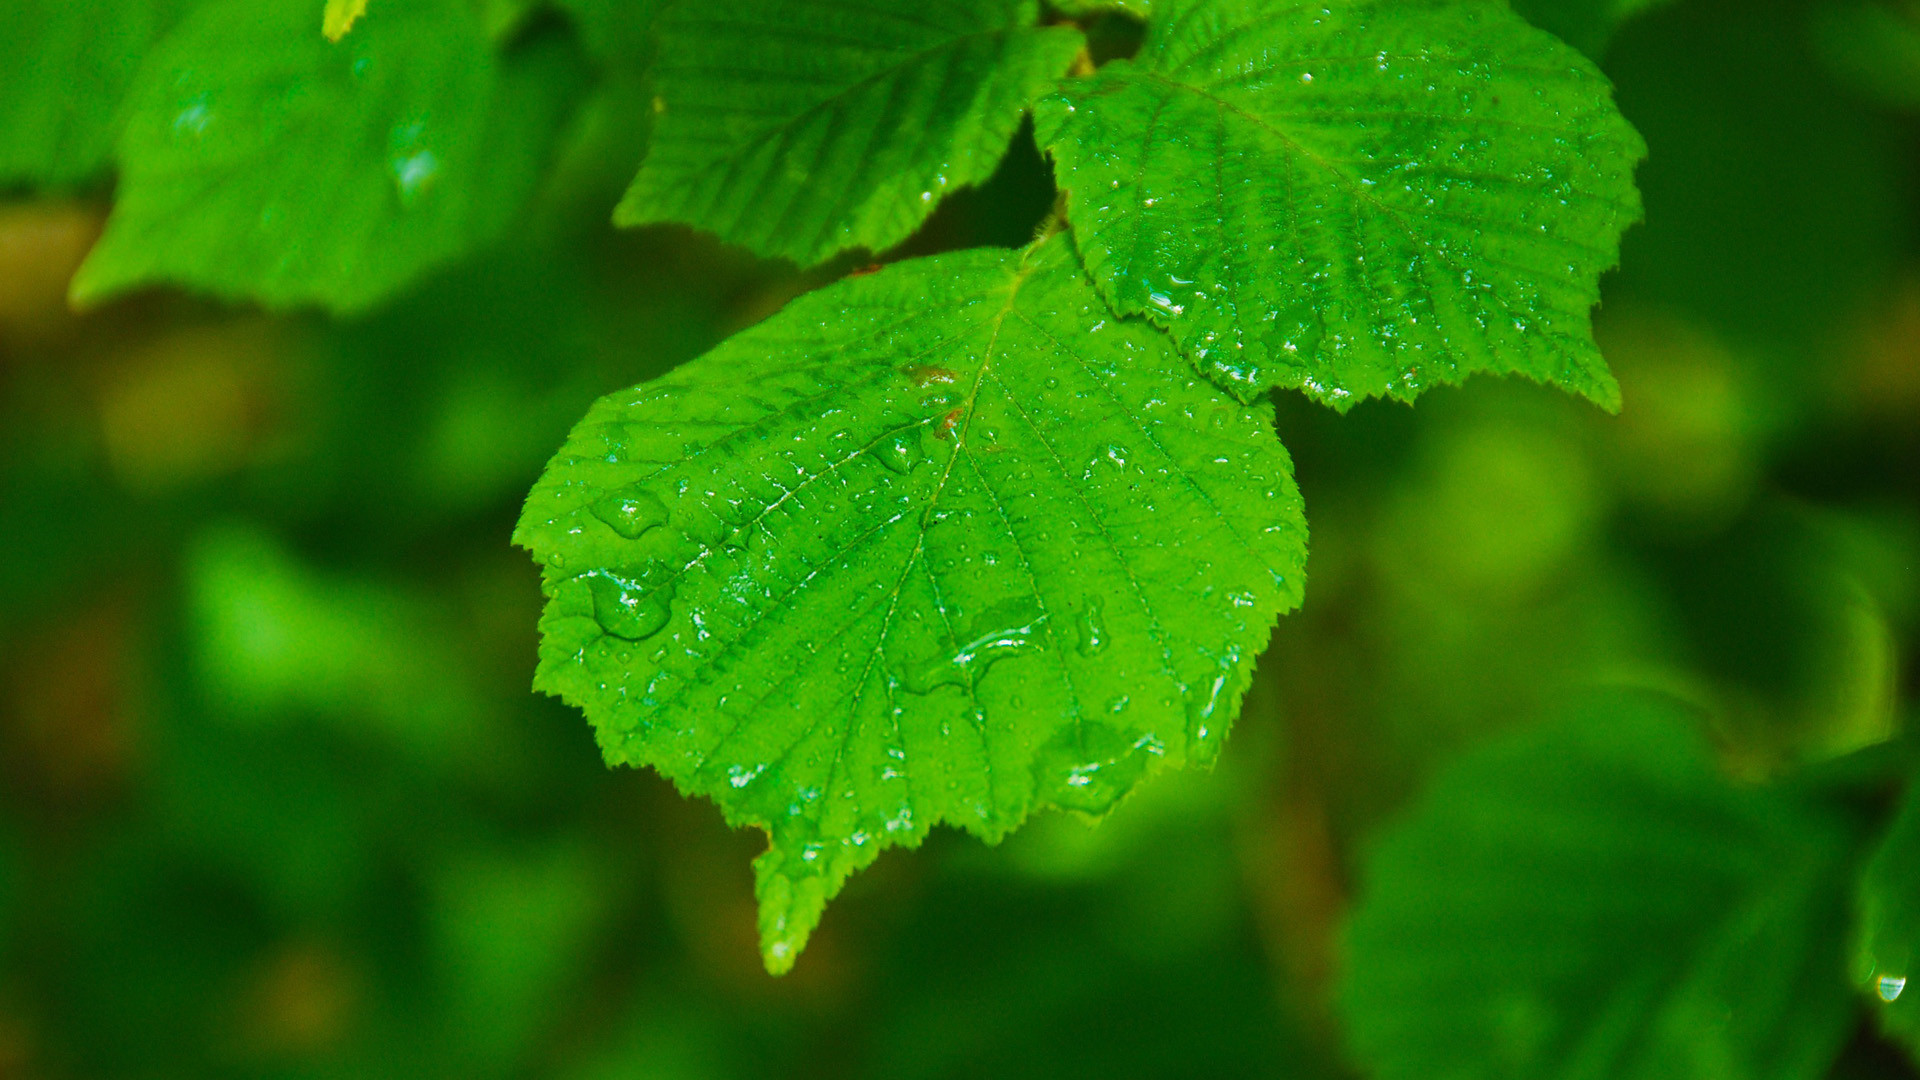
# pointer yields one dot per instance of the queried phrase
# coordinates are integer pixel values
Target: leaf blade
(887, 595)
(1362, 200)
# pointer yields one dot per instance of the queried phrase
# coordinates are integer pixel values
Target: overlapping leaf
(800, 128)
(1593, 899)
(262, 162)
(947, 543)
(69, 66)
(1356, 198)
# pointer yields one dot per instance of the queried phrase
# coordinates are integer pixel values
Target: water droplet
(1092, 624)
(900, 453)
(1088, 768)
(1300, 331)
(629, 609)
(1890, 986)
(1165, 303)
(193, 119)
(1007, 629)
(414, 174)
(925, 375)
(631, 514)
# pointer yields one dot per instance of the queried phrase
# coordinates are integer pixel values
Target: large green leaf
(262, 162)
(1594, 899)
(947, 543)
(1887, 948)
(800, 128)
(69, 66)
(1356, 197)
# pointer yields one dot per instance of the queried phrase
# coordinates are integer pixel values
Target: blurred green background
(275, 799)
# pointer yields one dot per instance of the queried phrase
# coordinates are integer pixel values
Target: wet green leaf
(947, 543)
(1594, 898)
(69, 66)
(801, 128)
(262, 162)
(1362, 199)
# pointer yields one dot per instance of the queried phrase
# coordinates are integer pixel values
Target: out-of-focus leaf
(274, 640)
(240, 179)
(1594, 898)
(801, 128)
(69, 65)
(1874, 47)
(1360, 200)
(946, 543)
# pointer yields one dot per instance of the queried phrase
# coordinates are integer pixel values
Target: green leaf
(802, 128)
(1357, 199)
(1587, 25)
(1887, 945)
(69, 65)
(264, 163)
(1592, 898)
(947, 543)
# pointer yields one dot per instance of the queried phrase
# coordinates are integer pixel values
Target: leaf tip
(340, 17)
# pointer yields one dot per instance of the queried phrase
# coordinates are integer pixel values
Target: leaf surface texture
(946, 543)
(1357, 198)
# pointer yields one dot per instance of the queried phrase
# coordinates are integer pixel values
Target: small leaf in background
(237, 180)
(800, 128)
(340, 17)
(1364, 200)
(1887, 943)
(69, 65)
(947, 543)
(1610, 905)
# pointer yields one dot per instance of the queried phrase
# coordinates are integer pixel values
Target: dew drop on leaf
(631, 514)
(1092, 624)
(1890, 986)
(629, 609)
(1088, 768)
(900, 453)
(1010, 628)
